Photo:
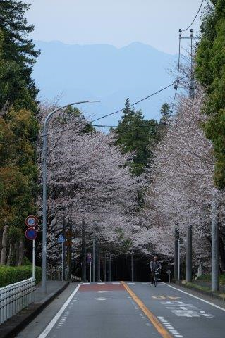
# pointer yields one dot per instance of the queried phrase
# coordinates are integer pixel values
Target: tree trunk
(4, 246)
(10, 258)
(222, 253)
(21, 252)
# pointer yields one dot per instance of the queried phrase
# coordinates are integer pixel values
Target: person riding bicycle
(155, 265)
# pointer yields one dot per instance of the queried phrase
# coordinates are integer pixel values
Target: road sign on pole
(61, 239)
(89, 257)
(31, 221)
(31, 233)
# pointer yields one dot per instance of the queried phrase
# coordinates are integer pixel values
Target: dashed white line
(170, 327)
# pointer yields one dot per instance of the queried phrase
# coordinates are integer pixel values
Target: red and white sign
(31, 221)
(31, 233)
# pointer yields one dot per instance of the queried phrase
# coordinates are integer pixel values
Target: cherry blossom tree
(87, 182)
(182, 188)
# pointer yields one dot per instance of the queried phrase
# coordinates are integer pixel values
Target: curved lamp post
(44, 177)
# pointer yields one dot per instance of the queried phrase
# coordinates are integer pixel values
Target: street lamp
(44, 205)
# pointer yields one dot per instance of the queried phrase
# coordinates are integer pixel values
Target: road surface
(128, 310)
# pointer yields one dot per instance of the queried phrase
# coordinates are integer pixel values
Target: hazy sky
(116, 22)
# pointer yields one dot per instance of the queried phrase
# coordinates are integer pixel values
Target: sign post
(89, 260)
(31, 234)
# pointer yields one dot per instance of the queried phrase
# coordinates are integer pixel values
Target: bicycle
(155, 276)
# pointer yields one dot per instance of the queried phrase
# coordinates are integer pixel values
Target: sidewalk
(205, 288)
(15, 324)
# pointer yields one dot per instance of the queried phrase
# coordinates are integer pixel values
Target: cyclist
(155, 265)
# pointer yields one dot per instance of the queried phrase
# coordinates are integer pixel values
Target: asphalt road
(128, 310)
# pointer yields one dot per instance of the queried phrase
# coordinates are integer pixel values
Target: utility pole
(98, 263)
(63, 248)
(69, 250)
(176, 237)
(105, 267)
(110, 267)
(84, 272)
(189, 254)
(93, 262)
(192, 78)
(215, 244)
(178, 260)
(191, 96)
(132, 266)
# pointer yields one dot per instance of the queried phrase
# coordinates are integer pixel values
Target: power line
(196, 15)
(137, 102)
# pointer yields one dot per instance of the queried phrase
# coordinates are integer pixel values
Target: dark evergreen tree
(210, 71)
(17, 55)
(136, 135)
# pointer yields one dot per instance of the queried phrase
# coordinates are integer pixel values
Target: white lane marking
(102, 291)
(86, 283)
(100, 298)
(145, 283)
(101, 283)
(58, 314)
(202, 300)
(116, 283)
(131, 283)
(170, 327)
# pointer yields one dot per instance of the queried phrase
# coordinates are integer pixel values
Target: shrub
(10, 275)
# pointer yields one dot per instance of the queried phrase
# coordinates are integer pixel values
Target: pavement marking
(169, 327)
(58, 314)
(100, 298)
(182, 309)
(102, 291)
(159, 327)
(196, 297)
(165, 297)
(131, 283)
(102, 283)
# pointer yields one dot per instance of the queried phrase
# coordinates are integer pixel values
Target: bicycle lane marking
(153, 319)
(196, 297)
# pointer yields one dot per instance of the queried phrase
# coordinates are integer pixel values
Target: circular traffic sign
(31, 221)
(31, 233)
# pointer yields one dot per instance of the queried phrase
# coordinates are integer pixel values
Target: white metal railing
(15, 297)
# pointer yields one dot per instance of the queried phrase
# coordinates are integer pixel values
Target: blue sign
(89, 258)
(61, 239)
(31, 233)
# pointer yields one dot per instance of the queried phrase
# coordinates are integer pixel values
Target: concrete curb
(202, 292)
(18, 322)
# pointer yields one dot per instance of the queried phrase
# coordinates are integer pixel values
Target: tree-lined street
(85, 204)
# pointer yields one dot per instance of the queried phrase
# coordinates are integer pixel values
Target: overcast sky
(115, 22)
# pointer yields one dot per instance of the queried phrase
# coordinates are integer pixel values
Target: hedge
(11, 274)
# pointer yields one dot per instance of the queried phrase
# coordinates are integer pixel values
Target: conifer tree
(210, 71)
(136, 135)
(18, 55)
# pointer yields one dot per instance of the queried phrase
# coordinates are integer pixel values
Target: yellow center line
(159, 327)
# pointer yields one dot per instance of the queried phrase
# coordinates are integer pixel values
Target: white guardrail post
(15, 297)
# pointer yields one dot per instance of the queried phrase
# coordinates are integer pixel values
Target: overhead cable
(137, 102)
(196, 15)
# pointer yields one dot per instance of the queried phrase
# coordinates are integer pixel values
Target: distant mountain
(105, 73)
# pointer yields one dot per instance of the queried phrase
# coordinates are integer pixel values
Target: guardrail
(15, 297)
